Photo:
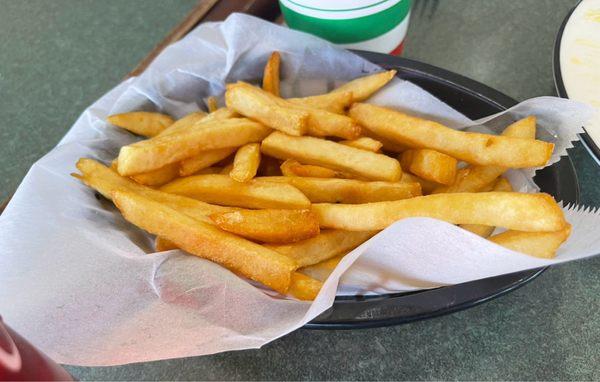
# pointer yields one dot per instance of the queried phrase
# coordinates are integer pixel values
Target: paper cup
(374, 25)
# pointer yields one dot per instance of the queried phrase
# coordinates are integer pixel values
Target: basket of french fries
(229, 207)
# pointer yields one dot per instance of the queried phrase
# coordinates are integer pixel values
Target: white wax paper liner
(78, 281)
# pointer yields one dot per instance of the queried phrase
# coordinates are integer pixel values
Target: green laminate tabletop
(58, 56)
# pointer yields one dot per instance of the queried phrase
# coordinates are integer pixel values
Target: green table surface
(58, 56)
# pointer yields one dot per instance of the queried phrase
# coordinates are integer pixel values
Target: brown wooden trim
(4, 204)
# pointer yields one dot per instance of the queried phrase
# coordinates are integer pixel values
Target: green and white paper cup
(375, 25)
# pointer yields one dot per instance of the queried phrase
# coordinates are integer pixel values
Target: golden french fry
(475, 148)
(479, 229)
(246, 162)
(184, 123)
(430, 164)
(107, 181)
(427, 186)
(350, 191)
(271, 74)
(269, 226)
(212, 104)
(474, 178)
(292, 167)
(203, 160)
(204, 240)
(319, 122)
(387, 144)
(221, 113)
(159, 176)
(264, 107)
(332, 102)
(364, 143)
(161, 244)
(143, 123)
(511, 210)
(364, 87)
(538, 244)
(114, 164)
(322, 123)
(322, 270)
(327, 244)
(321, 152)
(523, 128)
(304, 287)
(222, 190)
(157, 152)
(501, 184)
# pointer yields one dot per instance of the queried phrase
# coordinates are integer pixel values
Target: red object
(398, 50)
(20, 361)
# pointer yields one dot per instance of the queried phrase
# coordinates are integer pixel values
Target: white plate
(580, 61)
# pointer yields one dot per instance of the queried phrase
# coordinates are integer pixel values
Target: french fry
(304, 287)
(387, 144)
(327, 244)
(261, 106)
(430, 164)
(292, 167)
(184, 123)
(222, 190)
(271, 74)
(474, 178)
(204, 240)
(142, 123)
(203, 160)
(364, 87)
(221, 113)
(511, 210)
(427, 186)
(523, 128)
(322, 270)
(320, 152)
(246, 162)
(160, 151)
(159, 176)
(350, 191)
(107, 181)
(485, 230)
(322, 123)
(538, 244)
(364, 143)
(319, 122)
(332, 102)
(269, 226)
(114, 164)
(211, 102)
(474, 148)
(161, 244)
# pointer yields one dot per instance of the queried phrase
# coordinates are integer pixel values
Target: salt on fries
(279, 190)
